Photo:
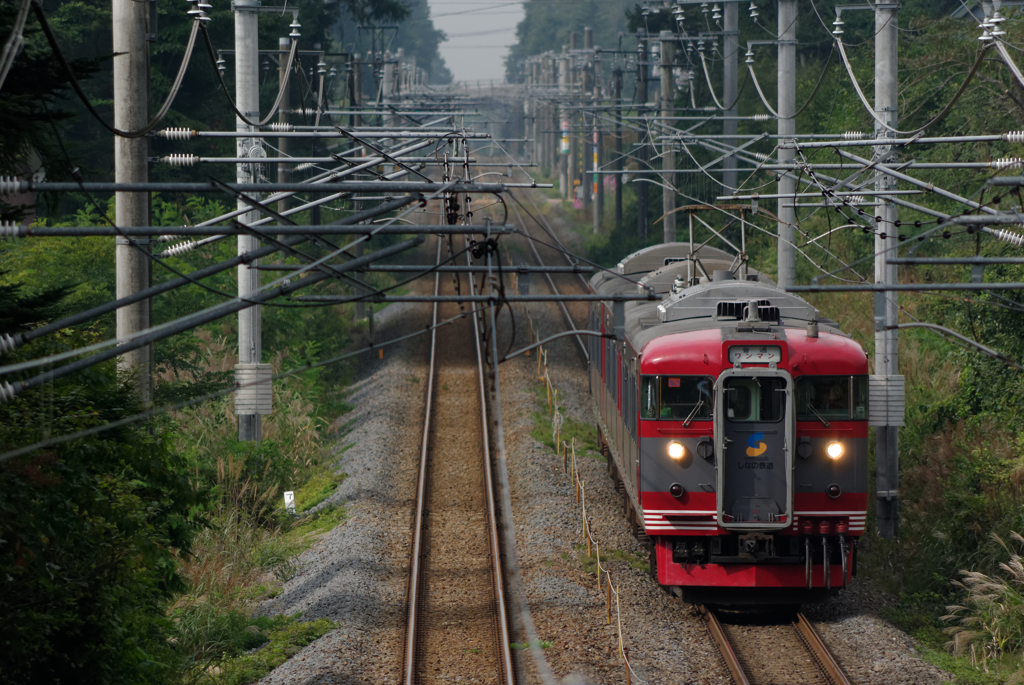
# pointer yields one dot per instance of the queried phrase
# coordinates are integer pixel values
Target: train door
(754, 434)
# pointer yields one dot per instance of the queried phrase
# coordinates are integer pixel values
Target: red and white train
(736, 420)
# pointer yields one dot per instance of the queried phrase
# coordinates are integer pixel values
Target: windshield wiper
(696, 408)
(820, 417)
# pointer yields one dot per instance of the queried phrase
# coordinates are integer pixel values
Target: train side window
(686, 397)
(649, 397)
(831, 397)
(860, 397)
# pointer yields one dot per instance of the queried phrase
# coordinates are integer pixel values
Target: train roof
(722, 302)
(668, 353)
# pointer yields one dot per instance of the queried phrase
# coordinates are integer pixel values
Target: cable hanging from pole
(940, 115)
(199, 19)
(224, 88)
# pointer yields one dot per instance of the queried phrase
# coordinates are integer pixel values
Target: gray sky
(479, 33)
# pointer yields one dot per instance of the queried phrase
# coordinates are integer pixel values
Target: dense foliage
(137, 554)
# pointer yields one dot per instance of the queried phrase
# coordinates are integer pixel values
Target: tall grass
(243, 553)
(991, 613)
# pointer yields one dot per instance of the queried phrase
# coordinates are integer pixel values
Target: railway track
(773, 653)
(457, 625)
(579, 281)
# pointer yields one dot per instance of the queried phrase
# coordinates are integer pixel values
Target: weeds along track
(772, 652)
(457, 628)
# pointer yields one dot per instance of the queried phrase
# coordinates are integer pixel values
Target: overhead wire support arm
(10, 390)
(10, 342)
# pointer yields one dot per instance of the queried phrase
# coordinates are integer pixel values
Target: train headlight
(834, 450)
(676, 450)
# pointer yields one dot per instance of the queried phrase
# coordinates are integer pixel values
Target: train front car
(751, 468)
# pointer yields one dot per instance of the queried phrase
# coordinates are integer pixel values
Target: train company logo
(755, 447)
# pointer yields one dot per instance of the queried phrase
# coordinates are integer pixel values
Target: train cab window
(755, 399)
(677, 397)
(831, 397)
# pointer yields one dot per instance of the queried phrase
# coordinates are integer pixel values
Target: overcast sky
(479, 33)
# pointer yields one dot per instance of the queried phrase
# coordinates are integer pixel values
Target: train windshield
(841, 398)
(677, 397)
(755, 399)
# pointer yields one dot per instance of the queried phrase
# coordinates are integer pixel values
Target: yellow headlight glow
(676, 450)
(834, 450)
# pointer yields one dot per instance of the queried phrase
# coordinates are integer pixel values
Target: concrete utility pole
(731, 50)
(565, 146)
(247, 99)
(617, 164)
(538, 146)
(598, 159)
(574, 130)
(641, 97)
(887, 438)
(787, 127)
(587, 66)
(357, 91)
(131, 113)
(668, 154)
(284, 45)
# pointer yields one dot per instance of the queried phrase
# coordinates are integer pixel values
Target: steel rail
(808, 636)
(554, 289)
(732, 662)
(815, 645)
(421, 488)
(492, 518)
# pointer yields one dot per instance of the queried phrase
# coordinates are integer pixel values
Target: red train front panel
(753, 459)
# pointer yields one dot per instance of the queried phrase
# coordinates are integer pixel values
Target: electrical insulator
(1014, 137)
(321, 67)
(11, 229)
(177, 133)
(995, 21)
(10, 185)
(294, 26)
(838, 30)
(753, 10)
(7, 392)
(178, 249)
(854, 135)
(1006, 162)
(302, 167)
(716, 13)
(280, 127)
(760, 155)
(180, 160)
(1009, 236)
(985, 27)
(856, 199)
(762, 117)
(7, 342)
(750, 55)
